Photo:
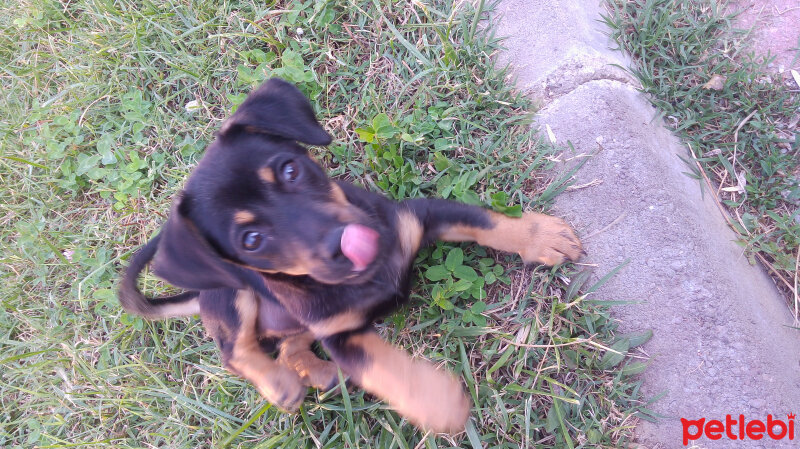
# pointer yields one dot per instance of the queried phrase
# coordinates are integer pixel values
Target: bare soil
(775, 29)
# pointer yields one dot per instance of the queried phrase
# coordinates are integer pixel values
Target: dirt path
(722, 341)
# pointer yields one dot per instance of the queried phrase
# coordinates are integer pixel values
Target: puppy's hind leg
(243, 355)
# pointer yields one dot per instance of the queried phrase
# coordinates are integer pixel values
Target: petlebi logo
(739, 428)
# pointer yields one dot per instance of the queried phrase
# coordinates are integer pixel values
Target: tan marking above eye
(266, 174)
(243, 217)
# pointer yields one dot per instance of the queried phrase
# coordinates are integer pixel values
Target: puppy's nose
(332, 244)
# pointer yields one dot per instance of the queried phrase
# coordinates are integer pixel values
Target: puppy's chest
(310, 302)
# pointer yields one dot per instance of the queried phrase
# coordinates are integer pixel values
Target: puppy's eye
(290, 171)
(252, 240)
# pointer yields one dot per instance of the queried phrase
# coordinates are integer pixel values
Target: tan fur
(341, 322)
(295, 353)
(343, 214)
(409, 231)
(187, 308)
(302, 263)
(430, 398)
(277, 383)
(266, 174)
(536, 237)
(342, 209)
(296, 270)
(338, 195)
(302, 259)
(243, 217)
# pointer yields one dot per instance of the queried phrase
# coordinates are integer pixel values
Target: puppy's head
(257, 201)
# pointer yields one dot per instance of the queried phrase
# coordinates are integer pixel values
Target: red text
(738, 429)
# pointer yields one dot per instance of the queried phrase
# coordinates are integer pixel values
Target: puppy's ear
(280, 109)
(185, 259)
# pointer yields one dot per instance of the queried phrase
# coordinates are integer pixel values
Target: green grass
(107, 107)
(743, 134)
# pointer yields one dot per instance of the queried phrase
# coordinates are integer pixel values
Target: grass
(738, 118)
(108, 106)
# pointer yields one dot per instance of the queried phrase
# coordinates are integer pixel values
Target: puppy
(277, 256)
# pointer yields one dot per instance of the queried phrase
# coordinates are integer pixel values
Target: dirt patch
(775, 28)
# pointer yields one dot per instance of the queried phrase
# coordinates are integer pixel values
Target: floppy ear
(280, 109)
(185, 259)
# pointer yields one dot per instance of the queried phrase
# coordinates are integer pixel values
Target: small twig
(780, 13)
(741, 222)
(80, 120)
(617, 220)
(736, 147)
(558, 345)
(710, 186)
(697, 368)
(796, 295)
(776, 273)
(722, 181)
(592, 183)
(577, 156)
(422, 441)
(739, 128)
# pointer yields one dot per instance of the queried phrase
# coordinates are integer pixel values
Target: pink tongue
(360, 245)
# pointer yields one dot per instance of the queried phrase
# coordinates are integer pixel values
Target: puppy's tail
(133, 301)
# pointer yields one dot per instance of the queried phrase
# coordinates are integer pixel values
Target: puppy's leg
(430, 398)
(535, 237)
(295, 353)
(236, 334)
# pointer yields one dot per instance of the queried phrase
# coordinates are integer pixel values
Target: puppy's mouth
(360, 244)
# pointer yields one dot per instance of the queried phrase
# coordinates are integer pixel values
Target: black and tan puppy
(277, 256)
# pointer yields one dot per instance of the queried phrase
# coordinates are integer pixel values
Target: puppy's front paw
(283, 388)
(320, 374)
(547, 240)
